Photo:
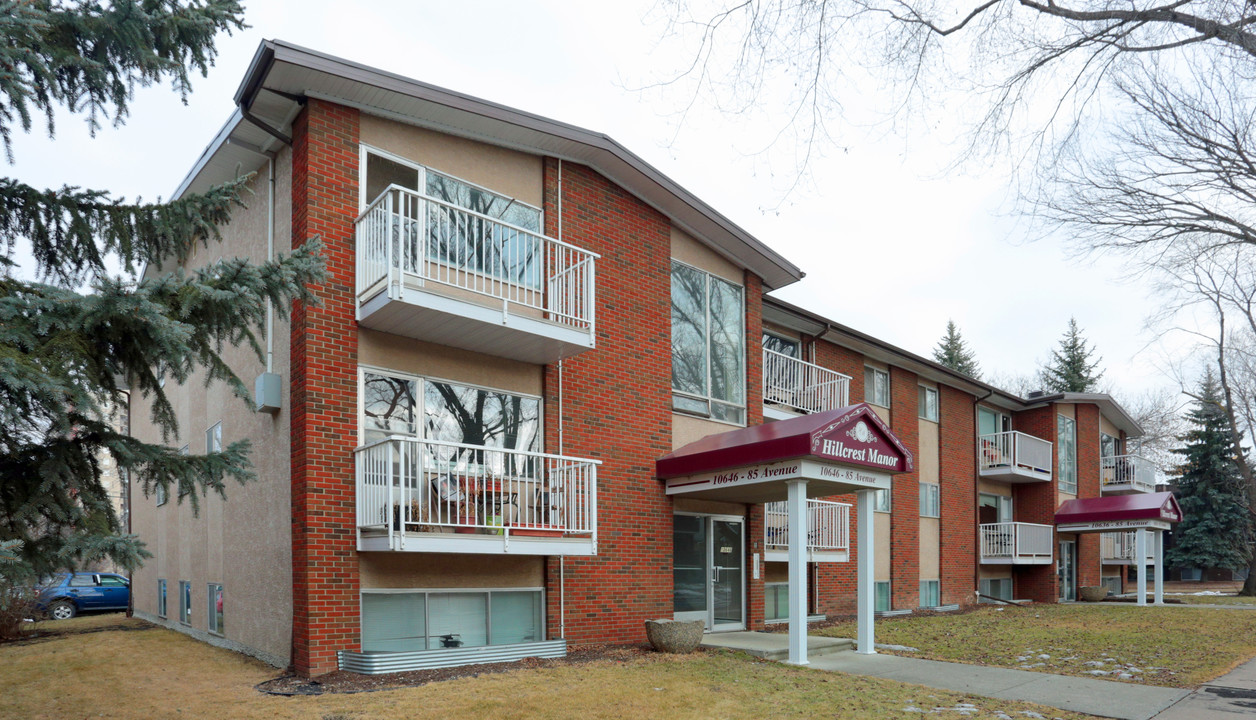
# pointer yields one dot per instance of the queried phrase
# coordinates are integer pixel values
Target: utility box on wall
(266, 393)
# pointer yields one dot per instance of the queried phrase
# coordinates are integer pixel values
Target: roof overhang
(282, 75)
(1155, 511)
(1108, 407)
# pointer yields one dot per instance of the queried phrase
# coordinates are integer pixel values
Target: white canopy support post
(797, 502)
(865, 561)
(1158, 559)
(1140, 552)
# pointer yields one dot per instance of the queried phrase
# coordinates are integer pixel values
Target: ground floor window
(1000, 588)
(409, 620)
(185, 602)
(161, 598)
(882, 603)
(1113, 584)
(214, 611)
(930, 593)
(776, 601)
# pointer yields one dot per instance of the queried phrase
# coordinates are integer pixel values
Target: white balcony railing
(406, 485)
(801, 385)
(1128, 472)
(1014, 452)
(405, 234)
(1016, 543)
(1120, 548)
(828, 526)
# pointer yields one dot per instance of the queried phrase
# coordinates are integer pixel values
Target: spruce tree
(954, 353)
(78, 337)
(1070, 368)
(1216, 525)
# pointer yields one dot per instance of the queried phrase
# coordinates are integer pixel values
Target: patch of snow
(1100, 672)
(900, 648)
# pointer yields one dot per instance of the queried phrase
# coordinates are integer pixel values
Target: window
(1108, 446)
(468, 241)
(83, 580)
(185, 602)
(881, 501)
(930, 500)
(928, 407)
(213, 438)
(775, 601)
(112, 581)
(994, 508)
(930, 593)
(783, 345)
(708, 346)
(214, 611)
(990, 422)
(882, 602)
(1066, 437)
(877, 386)
(404, 621)
(1000, 588)
(161, 598)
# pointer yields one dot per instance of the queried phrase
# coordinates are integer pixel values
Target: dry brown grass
(157, 673)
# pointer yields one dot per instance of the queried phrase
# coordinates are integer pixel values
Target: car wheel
(62, 610)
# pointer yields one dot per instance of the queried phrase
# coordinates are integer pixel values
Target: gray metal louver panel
(390, 662)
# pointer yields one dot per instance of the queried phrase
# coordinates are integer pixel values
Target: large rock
(674, 636)
(1092, 593)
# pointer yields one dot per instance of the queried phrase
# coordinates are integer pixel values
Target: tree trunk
(1249, 585)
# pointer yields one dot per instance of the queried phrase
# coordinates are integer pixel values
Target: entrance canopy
(837, 451)
(1152, 511)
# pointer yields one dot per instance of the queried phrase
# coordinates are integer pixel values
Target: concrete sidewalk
(1104, 698)
(1228, 697)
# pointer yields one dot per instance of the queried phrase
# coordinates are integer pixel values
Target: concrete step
(774, 646)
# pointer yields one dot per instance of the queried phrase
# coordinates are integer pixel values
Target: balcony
(1014, 457)
(828, 531)
(434, 271)
(802, 387)
(1124, 474)
(1016, 543)
(1119, 548)
(430, 496)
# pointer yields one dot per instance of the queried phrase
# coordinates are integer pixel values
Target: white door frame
(708, 615)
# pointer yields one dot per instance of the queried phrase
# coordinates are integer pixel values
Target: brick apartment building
(459, 447)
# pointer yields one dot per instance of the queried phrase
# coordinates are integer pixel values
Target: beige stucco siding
(928, 462)
(687, 429)
(930, 548)
(394, 352)
(509, 172)
(431, 570)
(252, 561)
(881, 533)
(691, 252)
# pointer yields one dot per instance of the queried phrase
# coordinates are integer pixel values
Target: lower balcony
(1014, 457)
(1123, 474)
(828, 531)
(432, 496)
(1016, 543)
(1120, 548)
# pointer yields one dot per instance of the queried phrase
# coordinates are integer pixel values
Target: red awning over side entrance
(852, 435)
(1140, 506)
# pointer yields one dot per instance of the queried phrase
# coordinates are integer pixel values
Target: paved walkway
(1229, 697)
(1104, 698)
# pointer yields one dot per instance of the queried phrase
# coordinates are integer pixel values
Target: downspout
(130, 575)
(270, 257)
(977, 524)
(561, 446)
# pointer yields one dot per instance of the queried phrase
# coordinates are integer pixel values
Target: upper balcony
(800, 386)
(1016, 543)
(1014, 457)
(1120, 548)
(1123, 474)
(828, 531)
(432, 496)
(432, 270)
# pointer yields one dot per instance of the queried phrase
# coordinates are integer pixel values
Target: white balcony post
(1158, 559)
(1140, 561)
(865, 588)
(797, 502)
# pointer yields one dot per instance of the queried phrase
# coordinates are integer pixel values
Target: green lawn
(1175, 647)
(1213, 599)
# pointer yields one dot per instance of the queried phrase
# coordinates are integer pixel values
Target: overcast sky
(891, 246)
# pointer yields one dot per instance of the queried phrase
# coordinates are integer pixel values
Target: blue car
(69, 594)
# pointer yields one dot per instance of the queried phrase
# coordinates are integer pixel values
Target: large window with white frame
(708, 345)
(930, 500)
(405, 620)
(876, 386)
(448, 220)
(1066, 449)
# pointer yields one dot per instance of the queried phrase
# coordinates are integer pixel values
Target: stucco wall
(432, 570)
(243, 542)
(394, 352)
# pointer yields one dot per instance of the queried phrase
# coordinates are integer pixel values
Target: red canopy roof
(852, 435)
(1139, 506)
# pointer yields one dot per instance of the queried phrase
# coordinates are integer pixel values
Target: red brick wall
(617, 408)
(905, 505)
(324, 385)
(958, 475)
(754, 416)
(1088, 570)
(1035, 502)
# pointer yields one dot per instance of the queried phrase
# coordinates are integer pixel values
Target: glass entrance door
(1068, 570)
(708, 570)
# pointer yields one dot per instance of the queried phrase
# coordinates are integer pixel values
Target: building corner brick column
(1088, 486)
(905, 518)
(958, 476)
(1035, 502)
(325, 610)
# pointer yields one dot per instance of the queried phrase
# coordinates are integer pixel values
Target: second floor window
(928, 408)
(708, 345)
(877, 386)
(1066, 437)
